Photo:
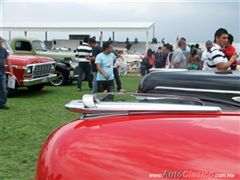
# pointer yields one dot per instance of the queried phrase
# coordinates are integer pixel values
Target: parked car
(132, 61)
(62, 49)
(30, 71)
(66, 65)
(222, 86)
(143, 136)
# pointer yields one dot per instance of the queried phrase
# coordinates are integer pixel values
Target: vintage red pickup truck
(30, 71)
(142, 137)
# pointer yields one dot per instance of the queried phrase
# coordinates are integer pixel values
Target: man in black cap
(95, 51)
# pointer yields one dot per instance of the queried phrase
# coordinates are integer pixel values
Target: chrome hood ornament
(91, 104)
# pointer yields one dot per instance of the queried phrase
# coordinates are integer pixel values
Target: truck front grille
(41, 70)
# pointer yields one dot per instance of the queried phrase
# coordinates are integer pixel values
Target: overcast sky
(197, 21)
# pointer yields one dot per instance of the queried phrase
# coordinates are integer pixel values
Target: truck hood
(59, 56)
(24, 60)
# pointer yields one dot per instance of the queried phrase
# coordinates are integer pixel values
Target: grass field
(32, 117)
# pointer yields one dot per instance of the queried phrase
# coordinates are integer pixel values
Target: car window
(23, 46)
(39, 46)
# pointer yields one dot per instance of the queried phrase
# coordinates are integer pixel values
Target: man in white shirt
(218, 60)
(206, 54)
(84, 51)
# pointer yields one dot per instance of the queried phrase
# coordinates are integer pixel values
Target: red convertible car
(142, 137)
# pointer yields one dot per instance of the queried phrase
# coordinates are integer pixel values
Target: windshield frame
(7, 46)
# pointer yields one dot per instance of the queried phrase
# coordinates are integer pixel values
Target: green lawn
(32, 117)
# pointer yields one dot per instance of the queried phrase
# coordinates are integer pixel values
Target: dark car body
(222, 86)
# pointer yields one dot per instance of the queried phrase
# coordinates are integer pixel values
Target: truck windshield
(39, 46)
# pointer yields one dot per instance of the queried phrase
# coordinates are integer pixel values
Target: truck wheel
(60, 80)
(37, 87)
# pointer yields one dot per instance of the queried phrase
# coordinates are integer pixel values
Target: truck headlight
(53, 67)
(29, 70)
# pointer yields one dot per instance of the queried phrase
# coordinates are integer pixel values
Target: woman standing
(147, 63)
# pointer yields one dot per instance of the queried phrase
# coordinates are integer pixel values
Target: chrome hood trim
(198, 90)
(90, 105)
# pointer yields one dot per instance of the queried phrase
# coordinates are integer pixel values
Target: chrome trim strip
(41, 63)
(236, 99)
(13, 66)
(90, 105)
(197, 90)
(167, 70)
(30, 82)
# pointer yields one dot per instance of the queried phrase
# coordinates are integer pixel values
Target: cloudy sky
(197, 21)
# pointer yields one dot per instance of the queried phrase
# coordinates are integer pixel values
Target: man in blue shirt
(3, 88)
(104, 62)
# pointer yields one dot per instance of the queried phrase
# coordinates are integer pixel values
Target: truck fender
(62, 68)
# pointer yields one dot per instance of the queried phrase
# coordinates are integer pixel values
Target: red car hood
(196, 146)
(25, 60)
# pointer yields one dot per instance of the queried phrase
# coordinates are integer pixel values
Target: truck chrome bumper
(72, 75)
(41, 80)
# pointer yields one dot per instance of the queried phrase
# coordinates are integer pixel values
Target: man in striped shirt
(84, 51)
(217, 59)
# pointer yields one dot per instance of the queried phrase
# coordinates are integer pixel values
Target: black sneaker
(4, 107)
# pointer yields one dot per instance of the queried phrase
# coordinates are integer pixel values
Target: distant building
(80, 37)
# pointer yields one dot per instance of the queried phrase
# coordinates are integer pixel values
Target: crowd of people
(101, 64)
(219, 55)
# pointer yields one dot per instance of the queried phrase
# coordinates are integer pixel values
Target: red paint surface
(136, 146)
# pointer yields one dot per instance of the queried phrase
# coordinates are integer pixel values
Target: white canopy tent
(82, 27)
